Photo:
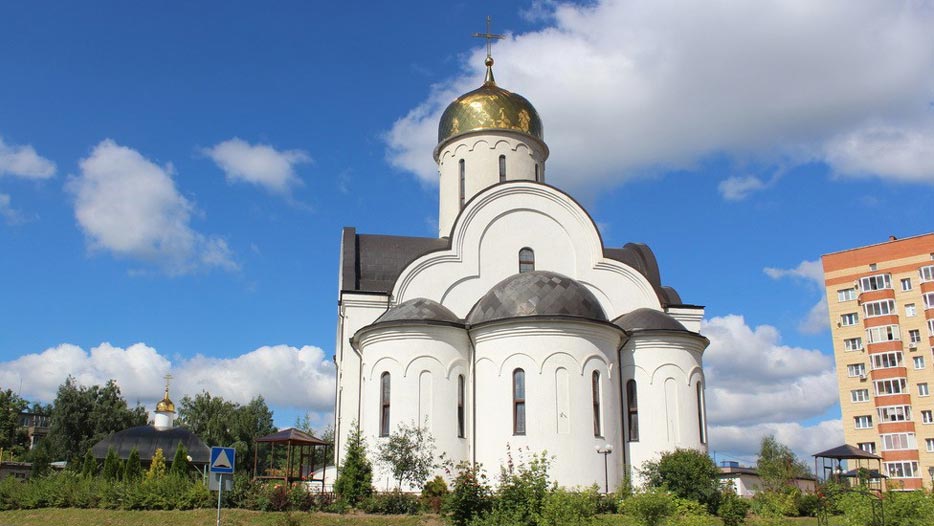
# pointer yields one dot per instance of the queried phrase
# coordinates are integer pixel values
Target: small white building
(746, 482)
(516, 326)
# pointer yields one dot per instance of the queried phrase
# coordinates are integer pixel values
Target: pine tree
(179, 466)
(157, 468)
(133, 467)
(89, 465)
(111, 465)
(355, 480)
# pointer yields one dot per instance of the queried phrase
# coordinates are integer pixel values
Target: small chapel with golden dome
(515, 327)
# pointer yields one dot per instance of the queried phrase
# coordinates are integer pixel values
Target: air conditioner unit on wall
(862, 377)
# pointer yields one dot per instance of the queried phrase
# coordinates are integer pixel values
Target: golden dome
(489, 107)
(165, 405)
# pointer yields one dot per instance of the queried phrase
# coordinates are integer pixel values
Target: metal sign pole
(220, 489)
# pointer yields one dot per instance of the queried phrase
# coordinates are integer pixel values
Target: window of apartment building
(856, 369)
(931, 327)
(923, 389)
(850, 318)
(873, 267)
(919, 362)
(884, 333)
(929, 443)
(907, 469)
(898, 441)
(853, 344)
(879, 308)
(863, 421)
(868, 447)
(887, 360)
(928, 300)
(914, 335)
(846, 295)
(859, 395)
(894, 413)
(927, 273)
(910, 310)
(927, 417)
(891, 386)
(877, 282)
(906, 284)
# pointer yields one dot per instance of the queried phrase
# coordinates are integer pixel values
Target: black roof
(294, 437)
(146, 439)
(372, 263)
(646, 319)
(536, 293)
(846, 451)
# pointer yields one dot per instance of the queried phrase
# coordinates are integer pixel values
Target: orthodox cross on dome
(167, 377)
(490, 37)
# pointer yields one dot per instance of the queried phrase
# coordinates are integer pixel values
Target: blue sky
(174, 178)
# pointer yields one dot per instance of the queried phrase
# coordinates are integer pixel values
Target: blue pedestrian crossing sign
(222, 459)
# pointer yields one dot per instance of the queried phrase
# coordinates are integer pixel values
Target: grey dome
(147, 439)
(419, 309)
(649, 319)
(536, 293)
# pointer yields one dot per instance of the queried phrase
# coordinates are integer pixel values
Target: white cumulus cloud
(804, 440)
(630, 87)
(130, 206)
(812, 273)
(287, 377)
(258, 164)
(23, 161)
(9, 214)
(752, 378)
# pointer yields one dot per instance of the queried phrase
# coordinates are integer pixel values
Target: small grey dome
(536, 293)
(649, 319)
(419, 309)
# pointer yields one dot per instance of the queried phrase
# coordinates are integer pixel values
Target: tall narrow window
(526, 260)
(463, 182)
(595, 392)
(632, 408)
(460, 406)
(700, 414)
(384, 405)
(518, 402)
(537, 177)
(502, 168)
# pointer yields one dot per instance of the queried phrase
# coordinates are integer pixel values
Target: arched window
(384, 405)
(518, 402)
(595, 391)
(526, 260)
(502, 168)
(701, 425)
(463, 182)
(632, 408)
(460, 406)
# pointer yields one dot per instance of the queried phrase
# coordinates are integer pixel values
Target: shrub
(394, 502)
(134, 469)
(300, 499)
(808, 504)
(775, 504)
(157, 467)
(111, 469)
(179, 467)
(688, 473)
(650, 506)
(523, 488)
(733, 509)
(470, 495)
(433, 494)
(571, 508)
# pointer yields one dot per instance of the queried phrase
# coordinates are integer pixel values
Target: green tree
(409, 453)
(83, 416)
(688, 473)
(89, 465)
(111, 470)
(777, 465)
(355, 477)
(12, 436)
(157, 467)
(134, 468)
(41, 460)
(179, 467)
(221, 423)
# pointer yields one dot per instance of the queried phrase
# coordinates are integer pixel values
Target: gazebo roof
(293, 436)
(845, 452)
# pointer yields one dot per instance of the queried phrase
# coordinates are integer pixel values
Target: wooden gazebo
(299, 462)
(828, 465)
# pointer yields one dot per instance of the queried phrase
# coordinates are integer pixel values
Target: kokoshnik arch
(516, 325)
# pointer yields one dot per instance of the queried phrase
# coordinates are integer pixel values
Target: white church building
(516, 325)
